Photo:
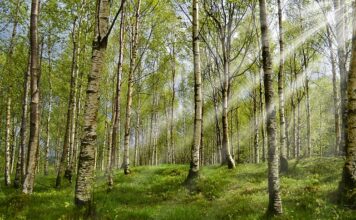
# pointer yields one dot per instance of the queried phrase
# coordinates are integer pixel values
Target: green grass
(157, 193)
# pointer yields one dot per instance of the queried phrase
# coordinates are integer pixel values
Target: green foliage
(157, 193)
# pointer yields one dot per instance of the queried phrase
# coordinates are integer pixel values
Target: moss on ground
(308, 192)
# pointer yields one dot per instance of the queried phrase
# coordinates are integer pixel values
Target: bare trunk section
(347, 185)
(294, 129)
(201, 150)
(282, 124)
(86, 164)
(21, 166)
(307, 103)
(298, 138)
(238, 135)
(172, 135)
(256, 146)
(340, 28)
(116, 117)
(194, 164)
(79, 125)
(8, 142)
(262, 116)
(137, 137)
(335, 93)
(49, 110)
(226, 158)
(217, 128)
(275, 201)
(65, 158)
(126, 161)
(35, 99)
(13, 144)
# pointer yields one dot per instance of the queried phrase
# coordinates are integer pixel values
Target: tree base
(283, 167)
(191, 180)
(127, 171)
(68, 175)
(347, 188)
(87, 206)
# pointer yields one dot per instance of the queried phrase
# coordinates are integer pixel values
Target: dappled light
(197, 109)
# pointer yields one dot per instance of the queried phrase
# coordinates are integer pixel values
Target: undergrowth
(308, 192)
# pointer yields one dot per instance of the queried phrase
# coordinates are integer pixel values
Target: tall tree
(348, 182)
(116, 115)
(194, 163)
(86, 163)
(282, 124)
(133, 57)
(340, 38)
(35, 99)
(275, 201)
(64, 162)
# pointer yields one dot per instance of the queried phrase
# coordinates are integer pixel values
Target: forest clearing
(177, 109)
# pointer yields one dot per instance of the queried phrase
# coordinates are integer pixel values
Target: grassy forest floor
(308, 192)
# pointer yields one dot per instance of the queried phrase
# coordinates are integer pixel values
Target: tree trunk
(66, 153)
(201, 153)
(231, 135)
(298, 124)
(282, 124)
(335, 93)
(13, 145)
(35, 99)
(340, 28)
(8, 142)
(77, 130)
(275, 201)
(137, 136)
(226, 155)
(194, 164)
(256, 146)
(262, 116)
(307, 101)
(217, 128)
(172, 144)
(21, 166)
(116, 117)
(294, 128)
(238, 135)
(155, 128)
(86, 164)
(126, 162)
(49, 110)
(347, 185)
